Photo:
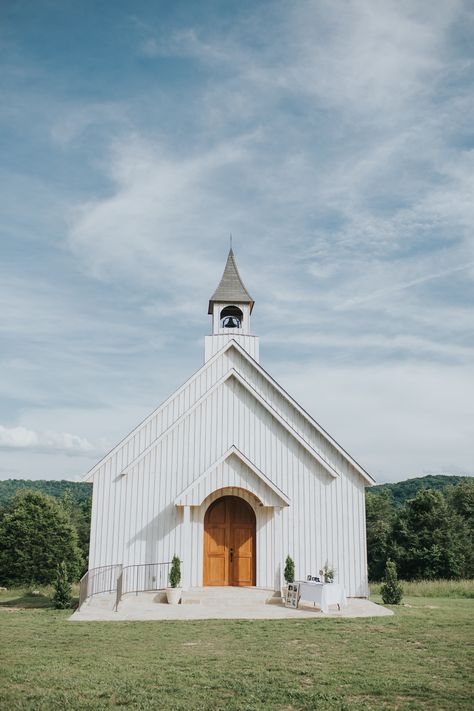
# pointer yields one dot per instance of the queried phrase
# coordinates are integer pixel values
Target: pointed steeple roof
(231, 289)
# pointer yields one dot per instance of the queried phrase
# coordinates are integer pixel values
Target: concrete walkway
(215, 604)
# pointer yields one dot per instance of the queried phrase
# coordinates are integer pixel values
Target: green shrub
(62, 588)
(175, 572)
(433, 588)
(289, 572)
(391, 589)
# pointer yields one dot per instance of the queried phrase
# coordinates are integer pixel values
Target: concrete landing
(215, 604)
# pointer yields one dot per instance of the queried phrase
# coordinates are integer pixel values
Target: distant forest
(400, 491)
(80, 491)
(425, 525)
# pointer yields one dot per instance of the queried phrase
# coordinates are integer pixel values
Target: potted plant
(288, 573)
(328, 574)
(173, 593)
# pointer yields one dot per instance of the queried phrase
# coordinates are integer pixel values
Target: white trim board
(232, 373)
(89, 475)
(305, 414)
(234, 344)
(232, 451)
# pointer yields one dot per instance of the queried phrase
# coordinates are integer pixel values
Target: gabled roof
(305, 414)
(233, 373)
(231, 288)
(255, 481)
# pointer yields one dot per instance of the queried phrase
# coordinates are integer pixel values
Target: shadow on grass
(28, 601)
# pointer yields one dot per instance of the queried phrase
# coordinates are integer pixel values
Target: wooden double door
(229, 542)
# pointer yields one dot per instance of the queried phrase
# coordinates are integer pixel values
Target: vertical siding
(214, 343)
(134, 516)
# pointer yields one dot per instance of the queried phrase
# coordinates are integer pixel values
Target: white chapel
(231, 475)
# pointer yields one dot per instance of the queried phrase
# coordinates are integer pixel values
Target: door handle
(231, 553)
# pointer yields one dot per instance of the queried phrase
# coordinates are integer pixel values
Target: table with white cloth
(323, 594)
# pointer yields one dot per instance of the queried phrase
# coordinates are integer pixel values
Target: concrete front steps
(238, 597)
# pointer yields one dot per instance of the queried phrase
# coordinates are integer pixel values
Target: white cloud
(370, 56)
(398, 420)
(404, 285)
(378, 68)
(333, 146)
(162, 217)
(23, 438)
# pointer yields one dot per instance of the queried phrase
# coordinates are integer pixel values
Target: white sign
(292, 595)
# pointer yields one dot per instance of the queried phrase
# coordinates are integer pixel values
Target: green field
(419, 659)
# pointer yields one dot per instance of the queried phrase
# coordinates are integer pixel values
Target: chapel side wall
(136, 520)
(92, 561)
(325, 524)
(338, 508)
(105, 519)
(114, 523)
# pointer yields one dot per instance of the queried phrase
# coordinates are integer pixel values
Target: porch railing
(98, 580)
(120, 579)
(146, 577)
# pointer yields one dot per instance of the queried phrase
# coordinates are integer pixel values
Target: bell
(231, 322)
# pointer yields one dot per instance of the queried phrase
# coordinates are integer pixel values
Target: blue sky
(335, 140)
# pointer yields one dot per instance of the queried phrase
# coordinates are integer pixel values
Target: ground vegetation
(421, 658)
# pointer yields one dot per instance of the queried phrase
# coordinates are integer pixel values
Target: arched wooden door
(229, 542)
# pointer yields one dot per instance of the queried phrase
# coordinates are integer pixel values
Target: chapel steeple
(231, 287)
(230, 307)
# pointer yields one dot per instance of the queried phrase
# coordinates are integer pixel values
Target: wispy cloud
(404, 285)
(336, 146)
(401, 421)
(72, 121)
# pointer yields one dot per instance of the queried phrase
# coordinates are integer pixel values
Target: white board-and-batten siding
(136, 520)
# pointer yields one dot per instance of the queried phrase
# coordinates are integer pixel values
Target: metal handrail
(98, 580)
(144, 577)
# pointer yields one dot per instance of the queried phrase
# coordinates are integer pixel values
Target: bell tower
(230, 307)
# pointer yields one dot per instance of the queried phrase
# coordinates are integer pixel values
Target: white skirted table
(323, 594)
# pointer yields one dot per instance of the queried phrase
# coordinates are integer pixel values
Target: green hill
(79, 490)
(400, 491)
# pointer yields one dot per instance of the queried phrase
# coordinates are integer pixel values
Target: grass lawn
(419, 659)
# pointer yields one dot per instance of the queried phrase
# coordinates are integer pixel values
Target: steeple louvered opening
(231, 317)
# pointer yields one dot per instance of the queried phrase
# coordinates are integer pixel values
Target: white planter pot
(173, 595)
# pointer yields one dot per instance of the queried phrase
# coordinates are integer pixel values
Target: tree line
(428, 535)
(39, 533)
